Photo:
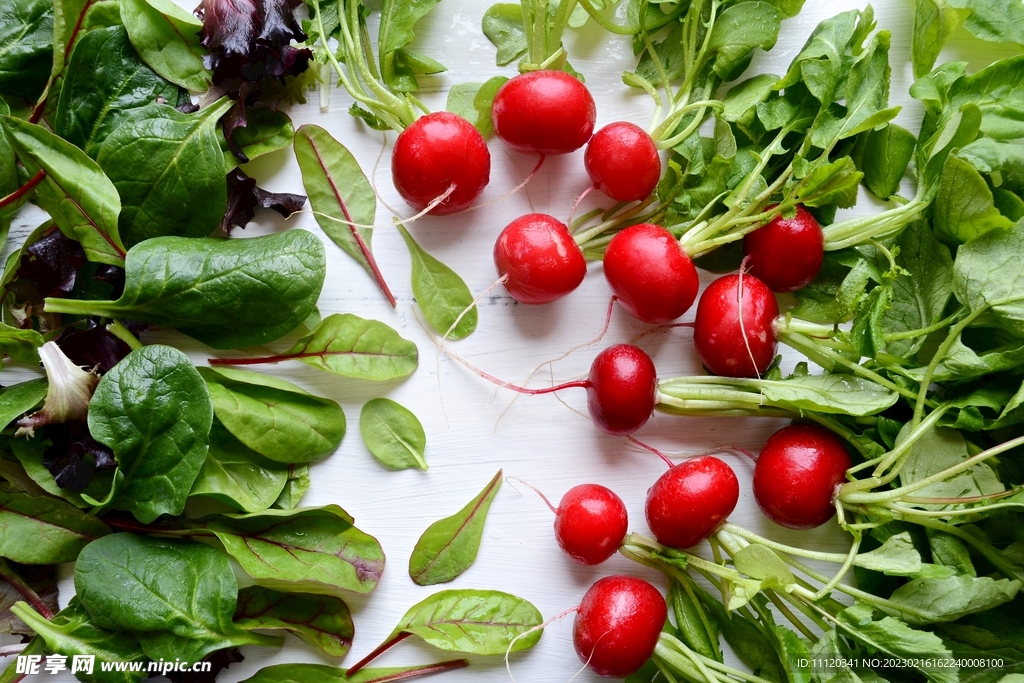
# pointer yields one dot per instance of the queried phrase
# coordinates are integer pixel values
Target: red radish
(786, 253)
(437, 152)
(622, 161)
(590, 523)
(734, 327)
(539, 258)
(691, 500)
(618, 625)
(797, 475)
(544, 112)
(650, 273)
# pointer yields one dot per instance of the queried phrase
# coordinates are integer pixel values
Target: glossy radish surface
(797, 475)
(650, 273)
(618, 625)
(623, 162)
(786, 253)
(691, 500)
(544, 112)
(590, 523)
(437, 151)
(540, 259)
(622, 384)
(726, 346)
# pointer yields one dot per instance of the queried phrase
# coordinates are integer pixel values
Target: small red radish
(691, 500)
(734, 329)
(622, 161)
(590, 523)
(797, 475)
(786, 253)
(544, 112)
(650, 273)
(437, 152)
(539, 259)
(618, 625)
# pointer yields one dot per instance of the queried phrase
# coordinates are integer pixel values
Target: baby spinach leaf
(393, 434)
(989, 272)
(313, 673)
(104, 78)
(169, 172)
(503, 25)
(225, 293)
(964, 206)
(164, 592)
(935, 600)
(167, 38)
(294, 488)
(18, 399)
(43, 530)
(441, 294)
(323, 621)
(266, 130)
(80, 198)
(473, 101)
(235, 474)
(316, 545)
(154, 412)
(449, 546)
(275, 418)
(26, 34)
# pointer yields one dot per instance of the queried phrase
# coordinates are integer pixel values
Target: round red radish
(691, 500)
(544, 112)
(436, 152)
(726, 346)
(650, 273)
(540, 259)
(786, 253)
(622, 161)
(797, 475)
(590, 523)
(618, 625)
(621, 389)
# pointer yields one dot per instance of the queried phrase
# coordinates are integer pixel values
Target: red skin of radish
(786, 253)
(718, 335)
(620, 389)
(650, 273)
(436, 151)
(622, 161)
(544, 112)
(691, 500)
(542, 261)
(797, 475)
(618, 625)
(590, 523)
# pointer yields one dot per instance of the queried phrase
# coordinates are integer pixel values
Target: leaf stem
(836, 558)
(117, 328)
(24, 189)
(377, 651)
(8, 574)
(425, 670)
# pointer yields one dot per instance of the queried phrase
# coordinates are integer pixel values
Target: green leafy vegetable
(309, 673)
(167, 38)
(237, 475)
(441, 294)
(18, 399)
(26, 32)
(322, 621)
(294, 488)
(473, 101)
(42, 530)
(503, 26)
(393, 434)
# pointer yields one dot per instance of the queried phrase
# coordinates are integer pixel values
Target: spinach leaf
(323, 621)
(169, 594)
(169, 171)
(26, 47)
(225, 293)
(72, 20)
(449, 546)
(18, 399)
(275, 418)
(105, 78)
(964, 206)
(441, 294)
(503, 25)
(167, 38)
(237, 475)
(80, 198)
(315, 545)
(154, 412)
(473, 101)
(934, 600)
(393, 434)
(312, 673)
(989, 272)
(294, 488)
(44, 530)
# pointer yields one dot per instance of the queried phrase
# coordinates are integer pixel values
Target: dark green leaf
(46, 530)
(323, 621)
(964, 206)
(746, 95)
(893, 637)
(930, 601)
(831, 183)
(472, 101)
(152, 409)
(26, 47)
(1002, 161)
(441, 294)
(19, 344)
(998, 91)
(697, 628)
(883, 155)
(897, 556)
(167, 38)
(237, 475)
(318, 673)
(348, 345)
(938, 449)
(72, 20)
(449, 546)
(393, 434)
(820, 64)
(503, 26)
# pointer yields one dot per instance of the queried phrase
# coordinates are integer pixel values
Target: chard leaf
(930, 601)
(348, 345)
(26, 32)
(893, 637)
(154, 412)
(167, 38)
(938, 449)
(896, 557)
(80, 198)
(964, 206)
(72, 20)
(441, 294)
(393, 434)
(169, 172)
(44, 530)
(989, 273)
(319, 546)
(503, 26)
(738, 31)
(449, 546)
(473, 102)
(275, 418)
(307, 673)
(323, 621)
(472, 621)
(237, 475)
